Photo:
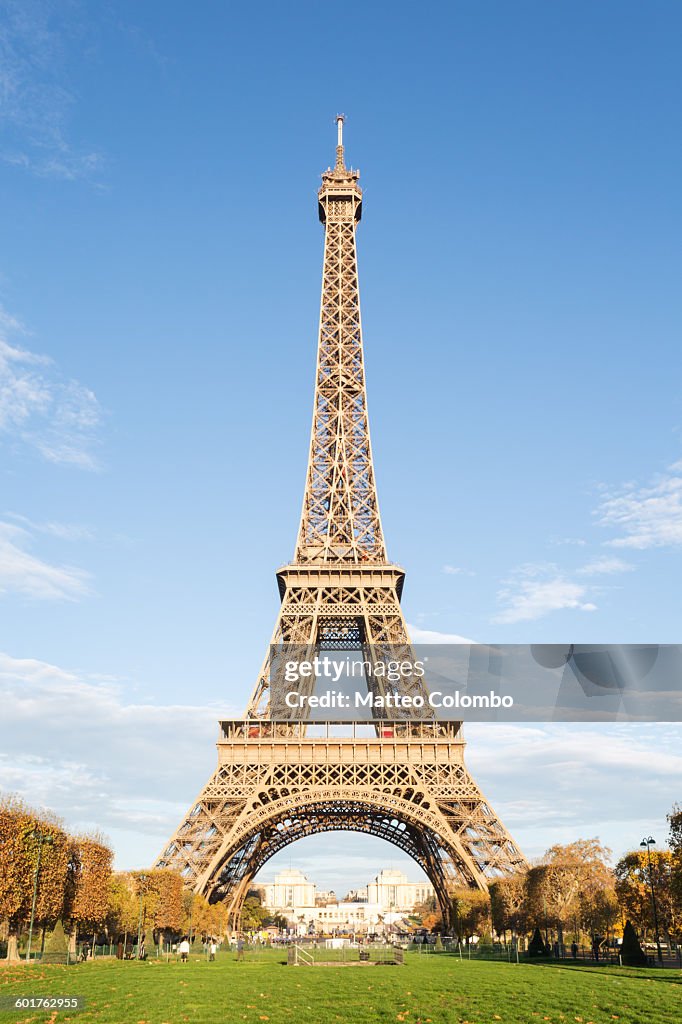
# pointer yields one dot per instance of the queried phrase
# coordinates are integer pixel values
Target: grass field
(436, 989)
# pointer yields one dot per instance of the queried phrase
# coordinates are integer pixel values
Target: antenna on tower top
(340, 165)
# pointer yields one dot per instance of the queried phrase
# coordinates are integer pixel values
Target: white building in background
(290, 889)
(357, 895)
(375, 908)
(356, 918)
(392, 891)
(325, 896)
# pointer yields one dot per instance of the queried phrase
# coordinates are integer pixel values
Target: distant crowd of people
(183, 948)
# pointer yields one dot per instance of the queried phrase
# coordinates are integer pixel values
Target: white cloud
(76, 745)
(431, 636)
(24, 573)
(646, 517)
(554, 783)
(32, 671)
(35, 100)
(605, 567)
(38, 407)
(536, 590)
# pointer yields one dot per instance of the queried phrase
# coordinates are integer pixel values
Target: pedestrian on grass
(212, 950)
(183, 950)
(240, 948)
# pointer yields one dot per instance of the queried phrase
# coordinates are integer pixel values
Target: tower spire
(340, 519)
(340, 163)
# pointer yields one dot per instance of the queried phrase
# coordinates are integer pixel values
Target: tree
(15, 867)
(675, 836)
(573, 886)
(427, 906)
(149, 943)
(168, 915)
(253, 914)
(633, 889)
(87, 900)
(33, 847)
(675, 842)
(204, 916)
(122, 906)
(472, 911)
(433, 922)
(508, 904)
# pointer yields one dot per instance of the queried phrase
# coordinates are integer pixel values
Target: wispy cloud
(605, 567)
(533, 591)
(646, 516)
(456, 570)
(35, 98)
(63, 531)
(24, 573)
(432, 636)
(56, 416)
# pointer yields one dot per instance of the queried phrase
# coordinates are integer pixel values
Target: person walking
(212, 950)
(183, 950)
(240, 948)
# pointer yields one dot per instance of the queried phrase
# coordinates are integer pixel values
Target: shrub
(537, 945)
(56, 941)
(631, 952)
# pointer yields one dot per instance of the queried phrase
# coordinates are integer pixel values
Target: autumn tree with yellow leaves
(508, 904)
(634, 877)
(87, 890)
(33, 846)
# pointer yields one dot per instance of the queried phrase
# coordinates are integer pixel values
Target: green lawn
(434, 989)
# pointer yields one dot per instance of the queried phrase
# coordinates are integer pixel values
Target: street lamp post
(649, 842)
(43, 837)
(142, 879)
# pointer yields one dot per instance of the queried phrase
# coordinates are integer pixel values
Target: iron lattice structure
(279, 779)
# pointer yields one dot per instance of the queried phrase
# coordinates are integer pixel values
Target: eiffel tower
(279, 778)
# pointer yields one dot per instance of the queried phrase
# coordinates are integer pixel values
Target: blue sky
(159, 285)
